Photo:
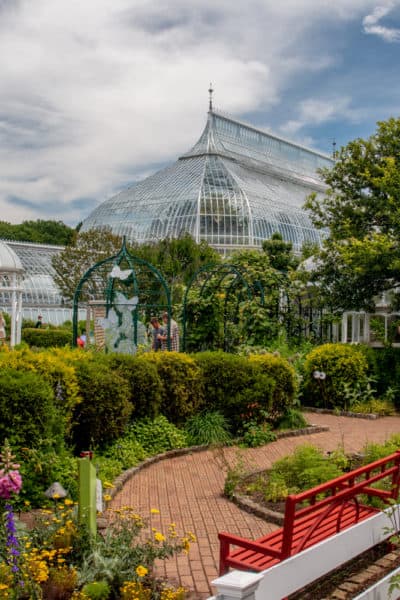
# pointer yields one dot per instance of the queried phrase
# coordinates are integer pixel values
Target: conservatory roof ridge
(230, 138)
(269, 134)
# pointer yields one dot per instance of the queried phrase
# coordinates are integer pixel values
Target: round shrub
(57, 368)
(285, 382)
(105, 409)
(158, 435)
(144, 381)
(343, 366)
(234, 386)
(182, 386)
(27, 412)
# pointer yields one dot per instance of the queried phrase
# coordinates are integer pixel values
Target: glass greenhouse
(40, 294)
(235, 188)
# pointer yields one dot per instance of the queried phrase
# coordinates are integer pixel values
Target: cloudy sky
(97, 94)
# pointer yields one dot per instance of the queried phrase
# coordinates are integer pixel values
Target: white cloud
(95, 93)
(372, 25)
(317, 111)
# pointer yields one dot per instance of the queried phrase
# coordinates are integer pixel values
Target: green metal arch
(133, 262)
(212, 269)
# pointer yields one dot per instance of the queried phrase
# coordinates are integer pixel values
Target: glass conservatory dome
(235, 188)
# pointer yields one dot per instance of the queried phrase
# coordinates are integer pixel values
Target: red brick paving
(187, 490)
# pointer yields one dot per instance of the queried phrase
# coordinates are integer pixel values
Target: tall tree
(360, 257)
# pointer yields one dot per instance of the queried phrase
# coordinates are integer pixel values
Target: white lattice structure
(235, 188)
(11, 273)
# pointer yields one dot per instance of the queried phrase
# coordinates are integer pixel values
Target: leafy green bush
(144, 381)
(285, 382)
(27, 413)
(257, 434)
(182, 386)
(104, 412)
(208, 428)
(57, 367)
(46, 338)
(373, 451)
(306, 468)
(158, 435)
(384, 364)
(376, 406)
(40, 467)
(292, 419)
(233, 384)
(126, 451)
(344, 367)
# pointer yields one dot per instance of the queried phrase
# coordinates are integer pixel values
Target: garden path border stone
(125, 476)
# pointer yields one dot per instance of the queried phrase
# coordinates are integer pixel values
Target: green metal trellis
(128, 290)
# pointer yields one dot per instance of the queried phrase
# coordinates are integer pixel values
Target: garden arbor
(121, 293)
(211, 306)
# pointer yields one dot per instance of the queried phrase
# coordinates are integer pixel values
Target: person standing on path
(173, 334)
(157, 333)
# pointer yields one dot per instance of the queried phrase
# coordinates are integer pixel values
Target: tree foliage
(361, 256)
(87, 249)
(41, 232)
(280, 253)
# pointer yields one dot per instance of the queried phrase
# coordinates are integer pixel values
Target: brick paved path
(187, 490)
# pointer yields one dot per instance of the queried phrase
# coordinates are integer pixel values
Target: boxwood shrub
(235, 386)
(182, 393)
(146, 387)
(57, 368)
(104, 412)
(341, 364)
(285, 381)
(46, 338)
(27, 412)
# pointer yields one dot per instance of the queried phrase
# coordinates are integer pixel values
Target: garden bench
(315, 515)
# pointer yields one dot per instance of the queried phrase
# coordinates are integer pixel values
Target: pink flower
(10, 483)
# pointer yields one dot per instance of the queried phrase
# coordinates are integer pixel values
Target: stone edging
(247, 504)
(125, 476)
(341, 413)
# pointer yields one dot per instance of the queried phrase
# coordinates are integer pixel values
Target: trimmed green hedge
(182, 393)
(234, 386)
(27, 412)
(342, 365)
(46, 338)
(104, 412)
(145, 384)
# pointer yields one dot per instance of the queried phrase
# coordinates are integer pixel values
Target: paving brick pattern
(187, 490)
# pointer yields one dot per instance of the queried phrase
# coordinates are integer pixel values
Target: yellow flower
(141, 571)
(107, 497)
(107, 484)
(159, 537)
(68, 502)
(154, 511)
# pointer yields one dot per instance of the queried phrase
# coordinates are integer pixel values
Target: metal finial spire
(210, 91)
(334, 148)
